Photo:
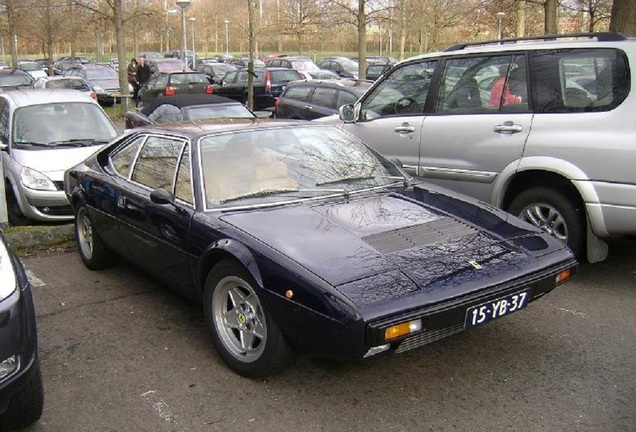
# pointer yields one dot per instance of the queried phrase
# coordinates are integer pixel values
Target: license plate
(493, 309)
(115, 94)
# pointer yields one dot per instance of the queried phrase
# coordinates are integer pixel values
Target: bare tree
(300, 18)
(624, 17)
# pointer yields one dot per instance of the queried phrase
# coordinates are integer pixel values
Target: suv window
(324, 97)
(483, 84)
(344, 98)
(579, 80)
(404, 91)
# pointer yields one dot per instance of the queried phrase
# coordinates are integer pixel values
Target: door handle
(308, 107)
(404, 128)
(508, 127)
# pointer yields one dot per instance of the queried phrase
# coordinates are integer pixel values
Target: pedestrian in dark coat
(143, 74)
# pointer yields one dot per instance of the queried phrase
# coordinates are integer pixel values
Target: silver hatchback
(544, 129)
(42, 134)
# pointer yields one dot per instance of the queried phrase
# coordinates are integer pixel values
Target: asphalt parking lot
(120, 352)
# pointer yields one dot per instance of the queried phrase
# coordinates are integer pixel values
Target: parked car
(376, 70)
(298, 63)
(46, 132)
(32, 68)
(296, 236)
(21, 391)
(187, 107)
(114, 63)
(165, 84)
(341, 66)
(14, 79)
(165, 65)
(528, 141)
(320, 74)
(312, 99)
(378, 59)
(176, 53)
(269, 83)
(244, 62)
(222, 58)
(151, 55)
(215, 71)
(103, 79)
(65, 82)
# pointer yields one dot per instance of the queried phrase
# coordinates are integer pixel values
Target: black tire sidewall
(101, 257)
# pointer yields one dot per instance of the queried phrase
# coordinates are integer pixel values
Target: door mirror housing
(347, 113)
(161, 196)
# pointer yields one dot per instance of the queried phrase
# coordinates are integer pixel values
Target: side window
(157, 163)
(579, 80)
(183, 189)
(300, 92)
(324, 97)
(483, 84)
(344, 98)
(122, 160)
(4, 122)
(229, 78)
(241, 77)
(404, 91)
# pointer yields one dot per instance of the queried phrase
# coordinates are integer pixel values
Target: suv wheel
(555, 213)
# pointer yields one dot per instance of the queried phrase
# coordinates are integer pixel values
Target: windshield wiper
(346, 179)
(262, 192)
(31, 143)
(77, 142)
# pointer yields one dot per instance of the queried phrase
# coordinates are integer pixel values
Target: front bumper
(45, 206)
(18, 338)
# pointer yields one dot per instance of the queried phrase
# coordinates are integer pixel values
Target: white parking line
(35, 281)
(160, 407)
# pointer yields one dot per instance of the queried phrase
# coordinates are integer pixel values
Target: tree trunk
(521, 18)
(362, 41)
(402, 29)
(550, 8)
(623, 18)
(251, 5)
(120, 37)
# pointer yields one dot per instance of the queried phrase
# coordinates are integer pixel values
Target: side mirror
(347, 113)
(161, 196)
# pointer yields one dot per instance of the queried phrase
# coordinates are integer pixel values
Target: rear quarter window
(298, 92)
(579, 80)
(282, 76)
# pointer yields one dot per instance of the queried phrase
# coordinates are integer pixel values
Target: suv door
(478, 125)
(390, 117)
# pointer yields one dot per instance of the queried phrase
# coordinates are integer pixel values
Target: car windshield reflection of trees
(270, 165)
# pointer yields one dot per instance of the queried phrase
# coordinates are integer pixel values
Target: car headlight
(36, 180)
(8, 282)
(98, 89)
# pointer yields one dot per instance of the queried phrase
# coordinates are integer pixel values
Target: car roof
(348, 83)
(27, 97)
(185, 100)
(585, 40)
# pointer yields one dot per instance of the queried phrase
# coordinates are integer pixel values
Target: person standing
(143, 74)
(131, 71)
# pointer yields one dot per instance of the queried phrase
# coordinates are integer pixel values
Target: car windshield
(101, 73)
(304, 65)
(30, 66)
(73, 84)
(61, 124)
(166, 66)
(15, 80)
(349, 65)
(276, 164)
(204, 112)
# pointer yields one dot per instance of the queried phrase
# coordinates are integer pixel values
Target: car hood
(53, 162)
(393, 242)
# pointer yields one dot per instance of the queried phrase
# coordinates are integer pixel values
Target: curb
(36, 238)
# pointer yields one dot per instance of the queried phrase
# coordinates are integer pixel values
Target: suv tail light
(268, 83)
(170, 91)
(209, 89)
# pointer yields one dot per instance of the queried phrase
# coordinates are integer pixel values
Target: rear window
(188, 79)
(298, 92)
(580, 80)
(283, 76)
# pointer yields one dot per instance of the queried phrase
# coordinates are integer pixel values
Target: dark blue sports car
(295, 235)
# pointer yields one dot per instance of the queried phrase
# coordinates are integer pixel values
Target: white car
(32, 68)
(58, 82)
(45, 132)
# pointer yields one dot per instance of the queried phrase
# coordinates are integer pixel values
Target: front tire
(555, 213)
(26, 406)
(91, 248)
(14, 213)
(243, 331)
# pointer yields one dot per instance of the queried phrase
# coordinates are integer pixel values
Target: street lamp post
(227, 37)
(192, 21)
(500, 16)
(183, 4)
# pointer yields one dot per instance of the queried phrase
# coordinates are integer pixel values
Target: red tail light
(209, 89)
(93, 95)
(170, 91)
(268, 83)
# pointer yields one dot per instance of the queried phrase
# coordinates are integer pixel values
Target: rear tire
(243, 331)
(26, 406)
(90, 246)
(554, 212)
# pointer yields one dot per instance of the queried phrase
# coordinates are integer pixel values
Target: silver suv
(544, 129)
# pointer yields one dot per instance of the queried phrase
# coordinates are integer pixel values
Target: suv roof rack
(600, 36)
